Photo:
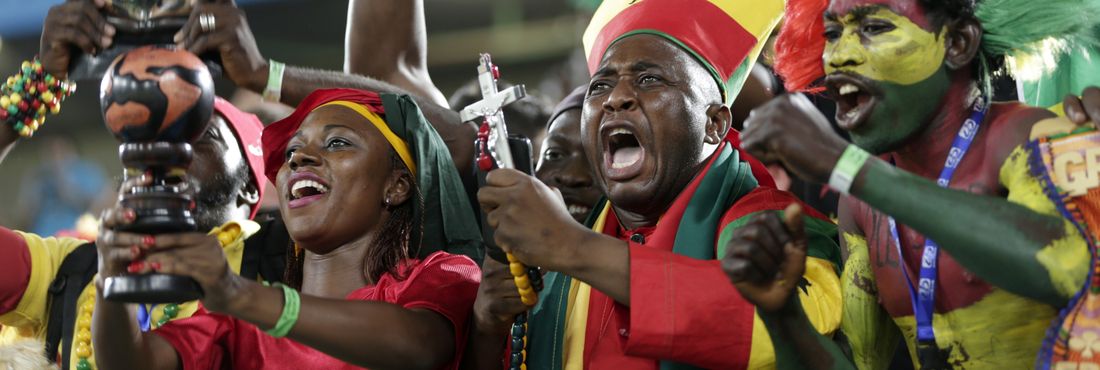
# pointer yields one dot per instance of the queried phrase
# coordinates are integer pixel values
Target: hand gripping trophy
(137, 23)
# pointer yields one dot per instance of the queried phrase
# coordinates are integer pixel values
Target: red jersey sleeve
(684, 309)
(15, 269)
(199, 340)
(443, 283)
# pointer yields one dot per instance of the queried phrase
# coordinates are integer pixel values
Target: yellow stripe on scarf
(576, 311)
(399, 145)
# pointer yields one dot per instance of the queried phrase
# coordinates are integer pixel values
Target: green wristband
(292, 303)
(847, 167)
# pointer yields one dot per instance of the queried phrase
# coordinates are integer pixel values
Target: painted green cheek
(901, 112)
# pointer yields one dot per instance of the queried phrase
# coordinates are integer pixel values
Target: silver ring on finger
(207, 22)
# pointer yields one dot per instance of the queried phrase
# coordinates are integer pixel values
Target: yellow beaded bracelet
(27, 96)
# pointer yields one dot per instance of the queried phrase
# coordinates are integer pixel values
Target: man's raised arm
(243, 63)
(388, 40)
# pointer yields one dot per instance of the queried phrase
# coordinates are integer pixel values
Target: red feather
(800, 44)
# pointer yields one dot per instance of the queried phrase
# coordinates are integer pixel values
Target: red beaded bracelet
(27, 96)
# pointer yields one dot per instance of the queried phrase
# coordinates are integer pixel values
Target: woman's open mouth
(305, 190)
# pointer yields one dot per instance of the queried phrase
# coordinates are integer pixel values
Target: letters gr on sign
(1078, 171)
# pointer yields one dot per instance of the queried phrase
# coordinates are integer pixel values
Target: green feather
(1032, 34)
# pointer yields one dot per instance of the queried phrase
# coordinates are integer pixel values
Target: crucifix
(489, 107)
(495, 149)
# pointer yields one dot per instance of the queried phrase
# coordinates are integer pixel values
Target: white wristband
(847, 167)
(274, 90)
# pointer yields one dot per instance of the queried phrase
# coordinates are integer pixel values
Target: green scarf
(449, 222)
(723, 183)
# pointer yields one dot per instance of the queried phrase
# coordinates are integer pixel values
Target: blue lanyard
(924, 299)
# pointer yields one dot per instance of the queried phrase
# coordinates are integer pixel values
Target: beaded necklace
(529, 282)
(83, 346)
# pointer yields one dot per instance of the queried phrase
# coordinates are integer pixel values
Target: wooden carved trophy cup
(157, 101)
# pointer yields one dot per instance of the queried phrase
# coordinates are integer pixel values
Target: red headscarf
(278, 134)
(445, 215)
(248, 129)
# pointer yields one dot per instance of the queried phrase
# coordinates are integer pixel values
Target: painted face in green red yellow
(885, 68)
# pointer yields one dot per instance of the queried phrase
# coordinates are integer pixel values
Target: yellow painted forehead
(905, 54)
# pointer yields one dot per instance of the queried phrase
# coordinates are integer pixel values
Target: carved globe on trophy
(157, 101)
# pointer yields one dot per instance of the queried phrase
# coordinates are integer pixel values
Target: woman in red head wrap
(370, 196)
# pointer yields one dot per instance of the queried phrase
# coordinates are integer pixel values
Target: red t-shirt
(442, 282)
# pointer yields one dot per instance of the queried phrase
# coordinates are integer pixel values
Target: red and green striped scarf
(725, 181)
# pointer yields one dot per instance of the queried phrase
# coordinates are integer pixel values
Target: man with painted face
(952, 244)
(45, 288)
(641, 289)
